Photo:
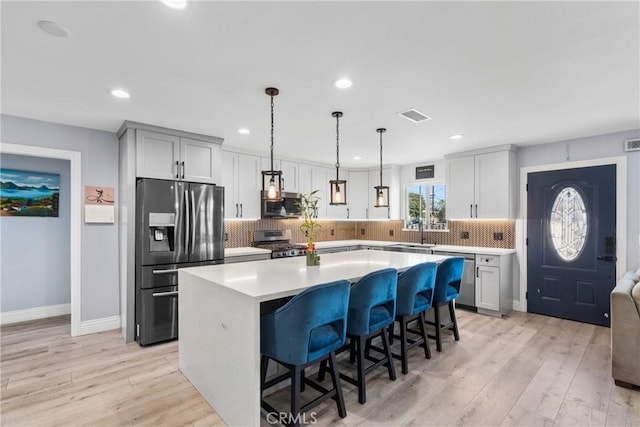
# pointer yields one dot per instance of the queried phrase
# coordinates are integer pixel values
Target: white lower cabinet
(494, 287)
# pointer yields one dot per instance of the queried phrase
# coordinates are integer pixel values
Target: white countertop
(232, 252)
(271, 279)
(473, 250)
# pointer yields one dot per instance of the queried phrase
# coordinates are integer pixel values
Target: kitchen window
(425, 204)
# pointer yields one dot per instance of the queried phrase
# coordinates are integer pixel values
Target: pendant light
(271, 179)
(338, 186)
(382, 191)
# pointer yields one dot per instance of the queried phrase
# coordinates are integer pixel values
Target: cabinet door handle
(240, 210)
(476, 210)
(165, 294)
(471, 210)
(366, 213)
(182, 170)
(477, 271)
(237, 210)
(177, 169)
(283, 185)
(347, 213)
(389, 213)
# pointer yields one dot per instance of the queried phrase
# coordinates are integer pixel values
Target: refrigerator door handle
(193, 218)
(187, 221)
(165, 294)
(170, 271)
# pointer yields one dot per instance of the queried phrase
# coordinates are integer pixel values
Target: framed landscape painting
(26, 193)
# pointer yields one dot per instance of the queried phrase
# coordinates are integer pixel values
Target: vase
(312, 256)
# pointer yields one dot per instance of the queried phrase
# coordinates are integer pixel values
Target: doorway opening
(75, 220)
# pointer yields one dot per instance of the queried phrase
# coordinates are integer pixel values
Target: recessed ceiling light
(244, 131)
(119, 93)
(53, 28)
(456, 136)
(357, 157)
(175, 4)
(343, 83)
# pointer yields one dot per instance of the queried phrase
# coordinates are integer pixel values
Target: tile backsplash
(462, 233)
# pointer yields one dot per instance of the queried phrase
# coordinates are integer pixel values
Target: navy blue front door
(571, 243)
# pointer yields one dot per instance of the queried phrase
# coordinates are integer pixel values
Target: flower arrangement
(310, 227)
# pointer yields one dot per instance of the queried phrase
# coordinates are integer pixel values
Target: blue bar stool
(306, 330)
(447, 288)
(372, 308)
(415, 296)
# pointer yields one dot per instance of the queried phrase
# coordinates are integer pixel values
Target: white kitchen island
(219, 319)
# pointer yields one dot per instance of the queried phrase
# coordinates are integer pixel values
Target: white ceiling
(498, 72)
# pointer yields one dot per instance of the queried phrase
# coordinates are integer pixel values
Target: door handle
(193, 218)
(471, 210)
(187, 221)
(608, 258)
(237, 210)
(171, 271)
(347, 213)
(182, 170)
(477, 271)
(177, 169)
(165, 294)
(388, 213)
(241, 210)
(476, 208)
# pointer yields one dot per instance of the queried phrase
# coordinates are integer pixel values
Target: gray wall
(34, 251)
(99, 246)
(596, 147)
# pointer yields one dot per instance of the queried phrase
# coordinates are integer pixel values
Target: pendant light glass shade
(338, 186)
(271, 179)
(381, 191)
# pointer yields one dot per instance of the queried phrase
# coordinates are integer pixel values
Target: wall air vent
(632, 144)
(415, 116)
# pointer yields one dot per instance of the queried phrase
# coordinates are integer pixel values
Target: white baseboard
(99, 325)
(34, 313)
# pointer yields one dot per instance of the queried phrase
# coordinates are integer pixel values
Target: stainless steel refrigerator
(178, 224)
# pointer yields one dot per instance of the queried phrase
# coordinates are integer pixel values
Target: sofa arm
(625, 333)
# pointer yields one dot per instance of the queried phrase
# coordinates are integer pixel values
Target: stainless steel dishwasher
(467, 298)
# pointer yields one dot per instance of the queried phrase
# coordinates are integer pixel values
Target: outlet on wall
(226, 237)
(464, 234)
(498, 236)
(391, 233)
(362, 231)
(333, 232)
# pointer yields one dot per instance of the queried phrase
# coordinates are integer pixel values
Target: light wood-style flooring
(521, 370)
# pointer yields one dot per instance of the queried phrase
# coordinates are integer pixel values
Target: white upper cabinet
(481, 185)
(289, 176)
(241, 175)
(172, 157)
(358, 194)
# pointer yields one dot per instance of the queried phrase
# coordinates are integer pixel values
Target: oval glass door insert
(568, 224)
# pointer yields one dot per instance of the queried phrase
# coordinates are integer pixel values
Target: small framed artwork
(99, 204)
(27, 193)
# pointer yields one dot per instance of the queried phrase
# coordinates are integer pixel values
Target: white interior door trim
(621, 214)
(75, 173)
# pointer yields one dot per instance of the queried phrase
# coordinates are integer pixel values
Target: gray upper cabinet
(173, 157)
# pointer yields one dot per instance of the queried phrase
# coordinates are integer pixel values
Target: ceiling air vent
(415, 116)
(632, 144)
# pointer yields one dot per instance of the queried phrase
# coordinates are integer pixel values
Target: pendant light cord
(271, 136)
(337, 146)
(380, 159)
